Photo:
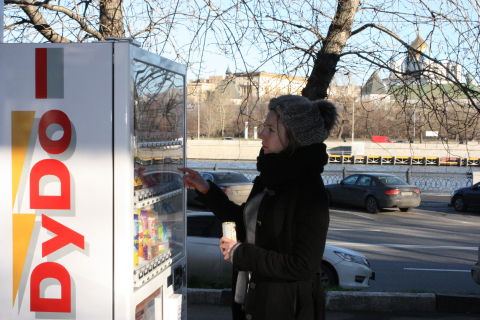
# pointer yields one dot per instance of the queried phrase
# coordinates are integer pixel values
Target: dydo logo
(23, 223)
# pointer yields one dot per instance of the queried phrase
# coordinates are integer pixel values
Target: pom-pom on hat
(309, 121)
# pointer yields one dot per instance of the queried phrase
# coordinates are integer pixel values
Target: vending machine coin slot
(178, 280)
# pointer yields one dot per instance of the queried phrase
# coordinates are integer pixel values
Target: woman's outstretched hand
(226, 246)
(193, 180)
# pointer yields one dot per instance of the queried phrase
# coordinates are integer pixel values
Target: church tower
(455, 69)
(415, 61)
(396, 66)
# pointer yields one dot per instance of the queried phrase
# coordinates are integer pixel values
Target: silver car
(235, 185)
(340, 267)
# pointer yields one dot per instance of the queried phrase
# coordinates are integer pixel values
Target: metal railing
(426, 182)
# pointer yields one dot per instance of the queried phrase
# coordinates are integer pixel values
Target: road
(427, 249)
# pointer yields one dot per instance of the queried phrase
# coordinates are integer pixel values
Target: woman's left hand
(226, 246)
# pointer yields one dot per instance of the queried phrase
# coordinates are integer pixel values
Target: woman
(282, 227)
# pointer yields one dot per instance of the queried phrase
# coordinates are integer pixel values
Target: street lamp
(414, 113)
(353, 119)
(198, 111)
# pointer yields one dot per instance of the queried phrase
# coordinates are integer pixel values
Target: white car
(345, 268)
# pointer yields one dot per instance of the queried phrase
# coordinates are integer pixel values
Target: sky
(215, 61)
(439, 37)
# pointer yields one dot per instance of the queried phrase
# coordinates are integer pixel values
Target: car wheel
(372, 205)
(459, 204)
(406, 209)
(328, 276)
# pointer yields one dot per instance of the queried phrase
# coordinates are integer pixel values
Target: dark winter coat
(289, 242)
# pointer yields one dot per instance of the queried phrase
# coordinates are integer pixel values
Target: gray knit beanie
(309, 121)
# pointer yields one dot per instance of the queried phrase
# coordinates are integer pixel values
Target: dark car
(374, 191)
(234, 184)
(464, 198)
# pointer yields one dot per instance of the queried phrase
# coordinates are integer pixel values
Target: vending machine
(92, 206)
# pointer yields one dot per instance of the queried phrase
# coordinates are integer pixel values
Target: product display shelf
(149, 196)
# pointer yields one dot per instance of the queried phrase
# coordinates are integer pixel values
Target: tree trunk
(223, 122)
(41, 25)
(326, 60)
(111, 18)
(340, 130)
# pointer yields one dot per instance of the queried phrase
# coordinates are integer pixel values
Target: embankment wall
(246, 150)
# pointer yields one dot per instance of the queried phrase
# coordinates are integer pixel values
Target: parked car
(381, 139)
(374, 191)
(234, 184)
(464, 198)
(476, 269)
(401, 141)
(345, 268)
(228, 138)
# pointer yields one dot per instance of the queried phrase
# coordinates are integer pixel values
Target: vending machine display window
(158, 213)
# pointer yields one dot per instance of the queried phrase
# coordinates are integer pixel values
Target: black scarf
(282, 170)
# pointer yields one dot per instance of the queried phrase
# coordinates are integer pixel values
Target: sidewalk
(216, 312)
(359, 301)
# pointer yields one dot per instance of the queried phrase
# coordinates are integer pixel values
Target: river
(251, 165)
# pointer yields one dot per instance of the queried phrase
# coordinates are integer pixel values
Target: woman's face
(274, 134)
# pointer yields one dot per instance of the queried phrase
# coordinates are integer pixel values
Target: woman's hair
(287, 141)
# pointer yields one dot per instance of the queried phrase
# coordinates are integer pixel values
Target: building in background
(414, 77)
(351, 90)
(239, 86)
(413, 66)
(375, 91)
(264, 84)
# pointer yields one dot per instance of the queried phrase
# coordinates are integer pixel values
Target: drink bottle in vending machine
(93, 207)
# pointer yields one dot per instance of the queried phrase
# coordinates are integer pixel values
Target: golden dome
(419, 44)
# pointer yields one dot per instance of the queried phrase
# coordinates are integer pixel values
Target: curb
(365, 301)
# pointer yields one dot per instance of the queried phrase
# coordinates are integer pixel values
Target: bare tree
(223, 111)
(315, 39)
